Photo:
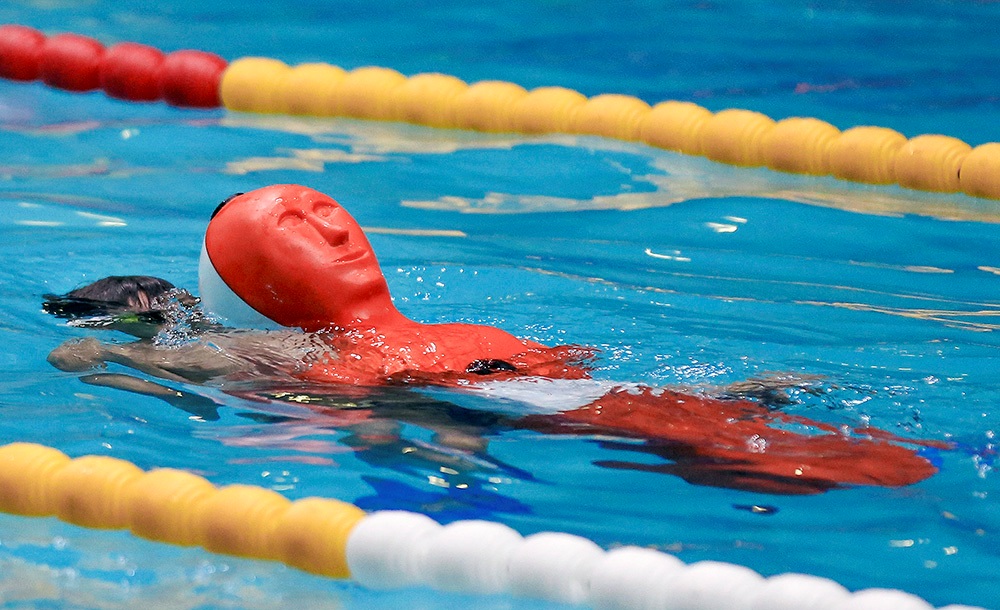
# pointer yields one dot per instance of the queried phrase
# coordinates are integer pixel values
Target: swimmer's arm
(194, 362)
(194, 404)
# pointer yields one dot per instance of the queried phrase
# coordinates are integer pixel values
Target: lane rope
(801, 145)
(393, 549)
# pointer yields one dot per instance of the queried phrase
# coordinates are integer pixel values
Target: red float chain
(128, 71)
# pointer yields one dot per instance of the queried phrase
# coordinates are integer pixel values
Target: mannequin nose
(334, 235)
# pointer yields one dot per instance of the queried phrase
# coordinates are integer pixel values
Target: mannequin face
(323, 238)
(298, 257)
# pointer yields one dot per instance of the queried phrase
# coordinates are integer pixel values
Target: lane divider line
(393, 549)
(801, 145)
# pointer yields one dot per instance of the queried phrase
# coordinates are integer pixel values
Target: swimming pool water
(683, 272)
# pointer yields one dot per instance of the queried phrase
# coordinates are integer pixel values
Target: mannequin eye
(291, 219)
(323, 210)
(219, 207)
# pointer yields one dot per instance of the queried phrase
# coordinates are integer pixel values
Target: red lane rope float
(127, 71)
(20, 52)
(71, 62)
(191, 79)
(131, 71)
(802, 145)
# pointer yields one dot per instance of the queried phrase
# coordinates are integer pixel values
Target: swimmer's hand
(78, 355)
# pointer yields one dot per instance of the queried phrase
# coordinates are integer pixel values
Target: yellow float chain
(873, 155)
(177, 507)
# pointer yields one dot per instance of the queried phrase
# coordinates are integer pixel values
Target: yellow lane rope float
(873, 155)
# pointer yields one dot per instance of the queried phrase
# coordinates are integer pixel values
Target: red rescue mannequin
(299, 259)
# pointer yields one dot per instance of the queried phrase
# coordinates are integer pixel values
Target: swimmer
(289, 257)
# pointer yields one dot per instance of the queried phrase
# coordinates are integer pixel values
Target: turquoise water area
(684, 273)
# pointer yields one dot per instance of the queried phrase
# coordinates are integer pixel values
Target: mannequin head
(296, 257)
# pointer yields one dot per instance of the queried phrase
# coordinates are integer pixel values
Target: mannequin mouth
(351, 256)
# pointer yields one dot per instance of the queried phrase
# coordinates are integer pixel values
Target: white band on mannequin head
(218, 299)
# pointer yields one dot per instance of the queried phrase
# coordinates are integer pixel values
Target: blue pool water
(683, 272)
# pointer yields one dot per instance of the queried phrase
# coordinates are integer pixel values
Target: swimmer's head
(137, 293)
(139, 305)
(287, 255)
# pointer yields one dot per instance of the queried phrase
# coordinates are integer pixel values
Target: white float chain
(392, 549)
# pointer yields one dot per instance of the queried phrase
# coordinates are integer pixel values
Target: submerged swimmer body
(289, 256)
